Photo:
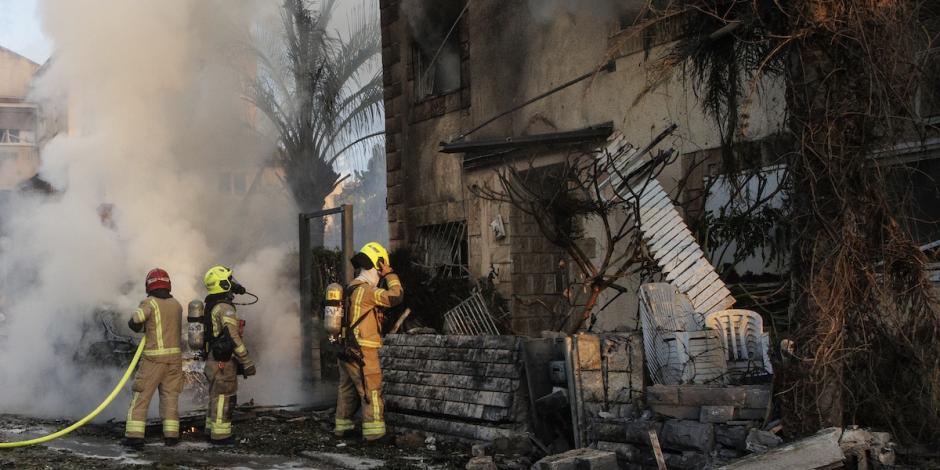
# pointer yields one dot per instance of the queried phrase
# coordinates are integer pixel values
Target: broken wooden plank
(818, 451)
(657, 450)
(467, 382)
(511, 371)
(477, 397)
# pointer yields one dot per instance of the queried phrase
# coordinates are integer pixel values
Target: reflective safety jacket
(365, 299)
(223, 316)
(163, 325)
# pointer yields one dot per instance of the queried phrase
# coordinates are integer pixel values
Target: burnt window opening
(436, 48)
(442, 250)
(927, 99)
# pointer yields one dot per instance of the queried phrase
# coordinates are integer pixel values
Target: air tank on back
(333, 309)
(194, 315)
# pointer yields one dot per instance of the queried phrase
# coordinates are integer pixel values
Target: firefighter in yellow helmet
(160, 317)
(360, 375)
(226, 352)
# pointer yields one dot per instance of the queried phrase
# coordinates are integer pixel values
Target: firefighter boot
(228, 441)
(135, 443)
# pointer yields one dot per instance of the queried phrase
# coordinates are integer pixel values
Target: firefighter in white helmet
(360, 375)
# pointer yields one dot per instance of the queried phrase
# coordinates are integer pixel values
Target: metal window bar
(439, 248)
(470, 317)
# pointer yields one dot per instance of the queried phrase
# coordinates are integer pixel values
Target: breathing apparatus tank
(197, 333)
(333, 309)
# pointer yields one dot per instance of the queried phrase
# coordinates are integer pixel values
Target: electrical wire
(608, 67)
(107, 401)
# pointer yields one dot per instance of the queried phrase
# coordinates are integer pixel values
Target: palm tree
(322, 92)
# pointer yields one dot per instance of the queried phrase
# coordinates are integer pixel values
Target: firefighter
(227, 354)
(160, 317)
(360, 375)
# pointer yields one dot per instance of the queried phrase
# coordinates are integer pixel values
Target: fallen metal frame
(470, 317)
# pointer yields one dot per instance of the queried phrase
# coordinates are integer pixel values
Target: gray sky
(21, 31)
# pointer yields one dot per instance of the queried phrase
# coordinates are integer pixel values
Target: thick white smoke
(158, 129)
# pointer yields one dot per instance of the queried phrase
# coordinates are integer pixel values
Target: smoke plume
(547, 11)
(158, 166)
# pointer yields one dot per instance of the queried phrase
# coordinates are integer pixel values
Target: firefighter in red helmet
(160, 318)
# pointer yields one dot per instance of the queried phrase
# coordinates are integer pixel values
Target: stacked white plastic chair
(679, 349)
(681, 345)
(743, 339)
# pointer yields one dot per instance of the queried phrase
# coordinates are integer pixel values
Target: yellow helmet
(375, 252)
(218, 279)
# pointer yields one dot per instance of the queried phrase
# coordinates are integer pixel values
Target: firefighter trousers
(361, 387)
(223, 385)
(153, 375)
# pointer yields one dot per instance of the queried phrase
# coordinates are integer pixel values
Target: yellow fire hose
(107, 401)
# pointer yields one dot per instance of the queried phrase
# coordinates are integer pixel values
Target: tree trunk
(837, 98)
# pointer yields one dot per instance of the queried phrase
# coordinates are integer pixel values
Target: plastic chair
(743, 339)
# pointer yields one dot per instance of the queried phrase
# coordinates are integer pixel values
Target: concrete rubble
(579, 459)
(580, 402)
(819, 451)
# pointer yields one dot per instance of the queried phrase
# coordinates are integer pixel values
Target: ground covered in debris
(268, 438)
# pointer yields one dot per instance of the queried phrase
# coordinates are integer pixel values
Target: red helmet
(157, 279)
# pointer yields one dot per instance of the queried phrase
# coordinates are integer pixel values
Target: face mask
(370, 276)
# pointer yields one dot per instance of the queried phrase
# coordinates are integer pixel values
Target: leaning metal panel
(670, 241)
(470, 317)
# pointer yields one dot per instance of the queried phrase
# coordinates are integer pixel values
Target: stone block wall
(392, 80)
(463, 388)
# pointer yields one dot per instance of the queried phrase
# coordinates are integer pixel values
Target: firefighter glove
(250, 370)
(135, 327)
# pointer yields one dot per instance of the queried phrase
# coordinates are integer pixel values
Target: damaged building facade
(500, 55)
(669, 373)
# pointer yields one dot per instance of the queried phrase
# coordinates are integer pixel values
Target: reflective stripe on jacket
(163, 324)
(365, 298)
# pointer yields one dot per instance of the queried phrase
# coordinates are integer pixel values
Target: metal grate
(470, 317)
(442, 249)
